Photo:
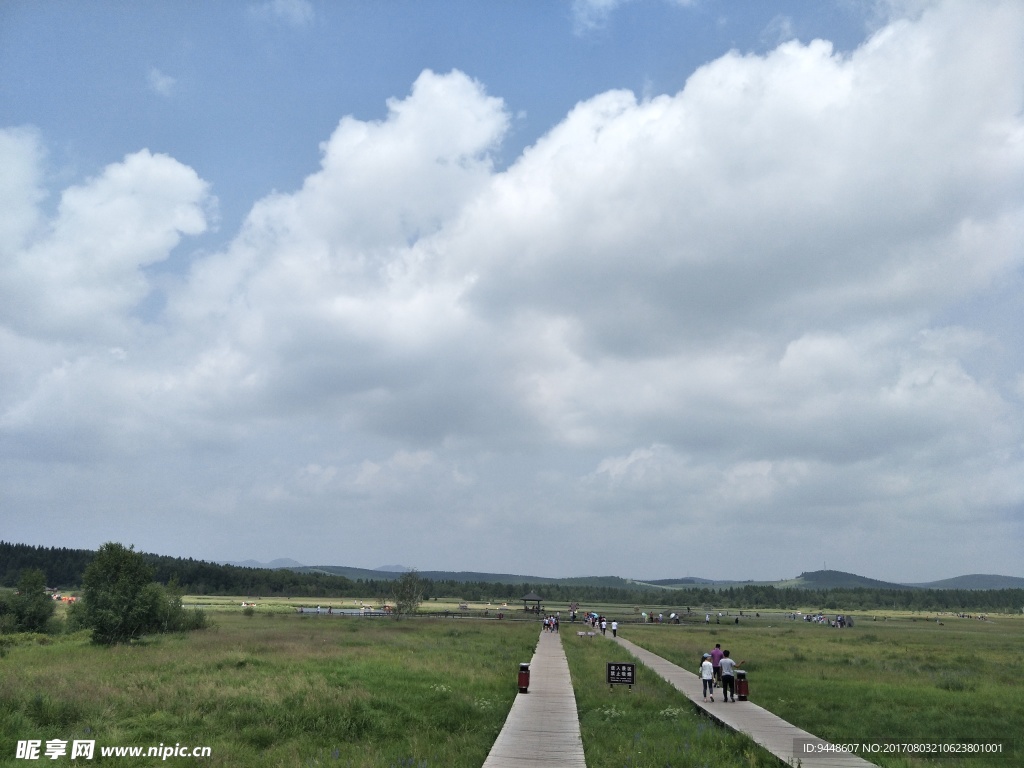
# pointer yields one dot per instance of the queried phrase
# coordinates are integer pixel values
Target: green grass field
(650, 726)
(904, 680)
(281, 689)
(276, 690)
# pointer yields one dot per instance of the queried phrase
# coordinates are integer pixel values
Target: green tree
(119, 604)
(408, 593)
(32, 606)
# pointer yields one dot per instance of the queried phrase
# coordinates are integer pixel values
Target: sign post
(620, 673)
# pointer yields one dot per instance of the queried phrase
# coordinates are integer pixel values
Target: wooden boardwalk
(543, 727)
(770, 731)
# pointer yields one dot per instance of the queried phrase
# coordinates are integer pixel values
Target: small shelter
(534, 598)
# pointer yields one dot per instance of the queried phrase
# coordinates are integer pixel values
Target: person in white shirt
(707, 677)
(728, 666)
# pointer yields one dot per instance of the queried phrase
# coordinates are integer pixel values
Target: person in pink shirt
(716, 663)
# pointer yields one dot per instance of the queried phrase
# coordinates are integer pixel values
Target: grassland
(276, 690)
(650, 726)
(282, 689)
(901, 680)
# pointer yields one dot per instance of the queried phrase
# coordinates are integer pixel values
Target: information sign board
(620, 673)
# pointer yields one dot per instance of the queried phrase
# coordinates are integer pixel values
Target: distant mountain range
(808, 580)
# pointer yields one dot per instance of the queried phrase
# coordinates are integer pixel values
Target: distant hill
(683, 583)
(808, 580)
(975, 581)
(837, 580)
(821, 580)
(366, 574)
(281, 562)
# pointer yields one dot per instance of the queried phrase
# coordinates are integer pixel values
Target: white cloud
(160, 83)
(83, 274)
(726, 306)
(779, 30)
(592, 14)
(336, 267)
(21, 188)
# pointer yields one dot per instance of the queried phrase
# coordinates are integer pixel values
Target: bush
(119, 605)
(30, 609)
(74, 618)
(194, 619)
(174, 617)
(408, 593)
(8, 623)
(121, 602)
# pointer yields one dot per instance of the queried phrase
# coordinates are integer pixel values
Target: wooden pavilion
(534, 598)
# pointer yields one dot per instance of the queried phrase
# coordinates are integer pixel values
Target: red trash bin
(524, 677)
(742, 688)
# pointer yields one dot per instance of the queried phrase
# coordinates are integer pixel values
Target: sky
(646, 288)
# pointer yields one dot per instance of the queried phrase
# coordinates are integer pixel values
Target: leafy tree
(408, 593)
(119, 605)
(32, 606)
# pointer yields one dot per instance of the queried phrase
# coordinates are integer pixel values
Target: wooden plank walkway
(770, 731)
(543, 726)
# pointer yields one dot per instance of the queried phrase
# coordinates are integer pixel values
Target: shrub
(119, 604)
(30, 608)
(74, 618)
(408, 593)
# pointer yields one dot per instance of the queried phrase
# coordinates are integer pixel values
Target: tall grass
(280, 689)
(650, 726)
(896, 681)
(277, 690)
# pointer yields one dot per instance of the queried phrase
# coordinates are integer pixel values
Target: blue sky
(240, 81)
(640, 282)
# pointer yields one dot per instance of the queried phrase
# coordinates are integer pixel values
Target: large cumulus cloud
(725, 307)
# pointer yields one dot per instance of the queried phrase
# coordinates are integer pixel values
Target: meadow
(275, 689)
(279, 688)
(896, 679)
(650, 725)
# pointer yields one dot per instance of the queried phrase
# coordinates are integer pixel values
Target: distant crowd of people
(839, 622)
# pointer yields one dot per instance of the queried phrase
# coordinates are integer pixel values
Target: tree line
(64, 568)
(120, 602)
(755, 597)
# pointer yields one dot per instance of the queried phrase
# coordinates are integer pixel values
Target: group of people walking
(597, 621)
(718, 670)
(604, 624)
